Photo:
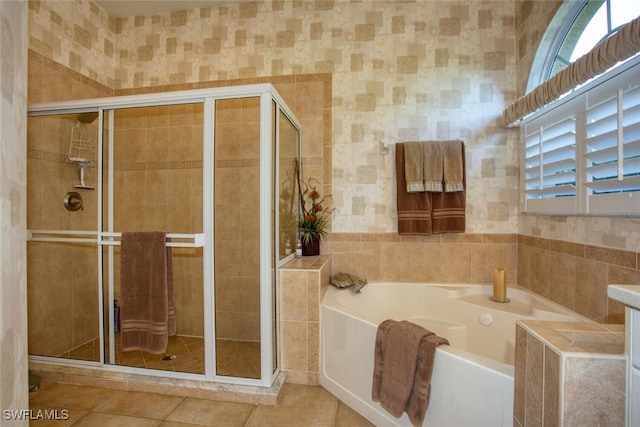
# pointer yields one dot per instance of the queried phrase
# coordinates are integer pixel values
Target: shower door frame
(269, 243)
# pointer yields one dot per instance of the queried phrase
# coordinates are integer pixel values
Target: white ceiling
(123, 8)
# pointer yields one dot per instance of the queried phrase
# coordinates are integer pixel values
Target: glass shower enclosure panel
(211, 169)
(63, 304)
(237, 236)
(152, 181)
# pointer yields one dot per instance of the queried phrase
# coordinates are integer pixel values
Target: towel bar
(197, 240)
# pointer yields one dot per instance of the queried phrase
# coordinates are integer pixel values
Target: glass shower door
(237, 237)
(152, 181)
(62, 283)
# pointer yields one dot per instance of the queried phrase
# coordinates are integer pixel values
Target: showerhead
(87, 117)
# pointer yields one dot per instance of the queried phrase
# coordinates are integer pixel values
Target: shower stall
(213, 169)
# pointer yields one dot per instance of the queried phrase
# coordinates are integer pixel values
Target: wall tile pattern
(77, 34)
(576, 275)
(400, 71)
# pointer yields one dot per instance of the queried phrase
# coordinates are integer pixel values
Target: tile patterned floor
(300, 405)
(235, 358)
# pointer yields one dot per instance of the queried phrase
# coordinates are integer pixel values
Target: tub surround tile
(303, 282)
(437, 258)
(533, 389)
(579, 374)
(611, 256)
(520, 374)
(578, 274)
(551, 387)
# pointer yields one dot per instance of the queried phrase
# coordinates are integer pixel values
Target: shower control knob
(73, 201)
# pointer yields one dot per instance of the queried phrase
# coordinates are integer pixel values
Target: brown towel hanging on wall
(448, 211)
(414, 209)
(147, 297)
(427, 213)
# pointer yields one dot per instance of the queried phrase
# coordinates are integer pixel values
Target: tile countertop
(626, 294)
(574, 338)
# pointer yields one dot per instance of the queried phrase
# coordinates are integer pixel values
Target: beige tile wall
(467, 258)
(303, 283)
(576, 275)
(400, 70)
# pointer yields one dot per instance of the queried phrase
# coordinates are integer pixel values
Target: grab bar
(197, 239)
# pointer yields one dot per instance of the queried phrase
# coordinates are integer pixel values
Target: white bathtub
(472, 382)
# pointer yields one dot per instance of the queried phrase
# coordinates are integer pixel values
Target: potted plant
(315, 211)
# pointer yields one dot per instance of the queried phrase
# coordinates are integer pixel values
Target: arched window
(577, 28)
(581, 153)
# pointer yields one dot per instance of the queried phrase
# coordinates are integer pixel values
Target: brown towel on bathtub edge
(403, 364)
(146, 287)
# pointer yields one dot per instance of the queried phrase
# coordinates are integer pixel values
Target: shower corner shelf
(80, 161)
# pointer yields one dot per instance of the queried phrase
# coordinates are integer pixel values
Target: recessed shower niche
(208, 168)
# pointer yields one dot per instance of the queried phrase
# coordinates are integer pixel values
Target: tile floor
(300, 405)
(235, 358)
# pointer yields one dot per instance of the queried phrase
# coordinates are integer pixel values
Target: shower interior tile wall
(158, 186)
(62, 292)
(237, 213)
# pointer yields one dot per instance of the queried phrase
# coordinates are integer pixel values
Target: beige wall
(400, 71)
(13, 184)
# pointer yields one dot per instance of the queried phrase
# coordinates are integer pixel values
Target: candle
(500, 285)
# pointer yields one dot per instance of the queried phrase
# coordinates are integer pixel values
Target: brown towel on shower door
(414, 209)
(403, 364)
(146, 285)
(449, 208)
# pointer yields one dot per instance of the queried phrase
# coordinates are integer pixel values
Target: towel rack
(192, 240)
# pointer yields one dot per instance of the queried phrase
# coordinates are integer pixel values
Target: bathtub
(472, 382)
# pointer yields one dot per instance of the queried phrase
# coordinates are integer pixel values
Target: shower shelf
(196, 240)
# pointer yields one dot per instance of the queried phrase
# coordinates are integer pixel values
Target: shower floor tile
(235, 358)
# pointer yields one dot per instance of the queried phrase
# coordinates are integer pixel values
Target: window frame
(576, 103)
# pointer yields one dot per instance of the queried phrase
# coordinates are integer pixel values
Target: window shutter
(582, 154)
(550, 164)
(612, 150)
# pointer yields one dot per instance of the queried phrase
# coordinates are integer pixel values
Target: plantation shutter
(550, 164)
(612, 151)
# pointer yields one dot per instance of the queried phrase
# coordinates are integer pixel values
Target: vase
(312, 247)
